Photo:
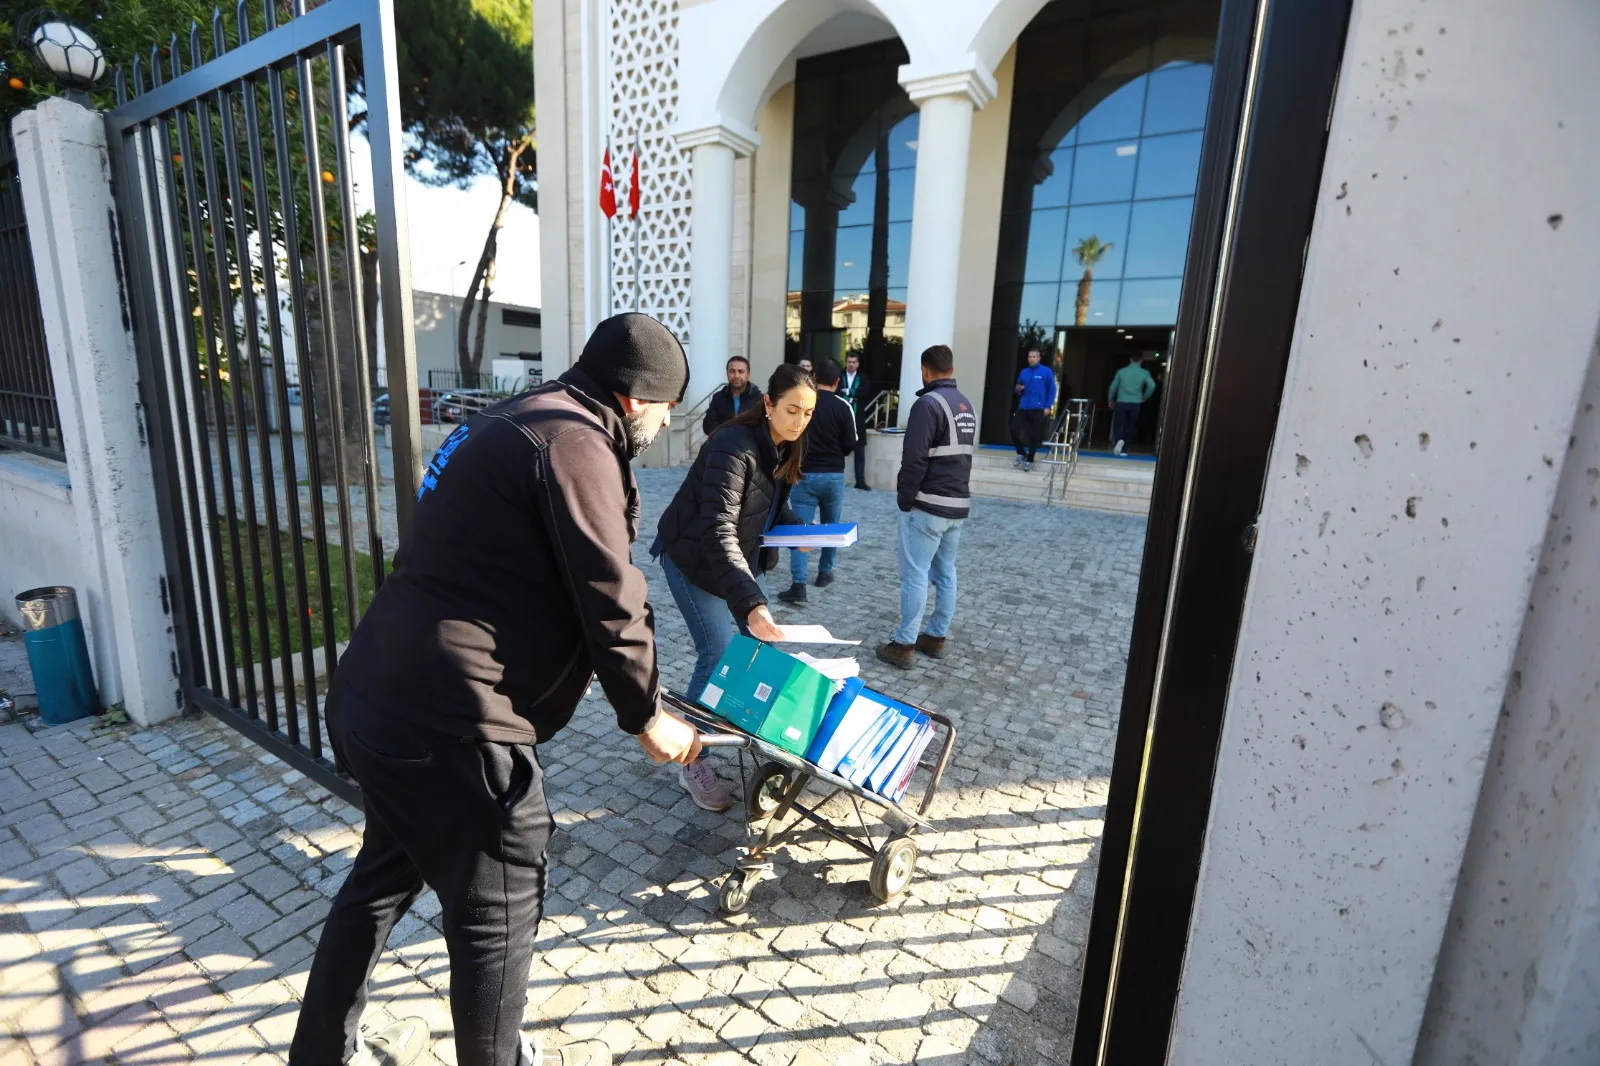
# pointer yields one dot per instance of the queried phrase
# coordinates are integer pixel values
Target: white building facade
(766, 129)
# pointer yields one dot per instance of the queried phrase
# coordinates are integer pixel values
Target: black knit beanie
(636, 356)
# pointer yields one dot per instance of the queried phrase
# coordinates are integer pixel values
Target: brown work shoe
(932, 647)
(901, 655)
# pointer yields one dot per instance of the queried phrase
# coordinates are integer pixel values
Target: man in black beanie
(512, 590)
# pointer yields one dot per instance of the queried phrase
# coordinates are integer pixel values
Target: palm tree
(1089, 251)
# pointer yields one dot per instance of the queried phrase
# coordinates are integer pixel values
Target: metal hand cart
(772, 795)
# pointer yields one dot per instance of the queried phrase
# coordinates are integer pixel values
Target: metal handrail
(691, 421)
(883, 410)
(1061, 447)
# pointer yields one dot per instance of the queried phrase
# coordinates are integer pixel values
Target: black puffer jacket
(712, 528)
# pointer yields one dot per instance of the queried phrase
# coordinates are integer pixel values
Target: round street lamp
(67, 52)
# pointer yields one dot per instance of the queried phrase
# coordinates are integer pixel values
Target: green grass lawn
(342, 624)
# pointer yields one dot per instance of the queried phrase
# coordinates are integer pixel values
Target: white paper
(810, 635)
(837, 669)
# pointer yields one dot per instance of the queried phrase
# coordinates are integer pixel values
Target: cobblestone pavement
(162, 890)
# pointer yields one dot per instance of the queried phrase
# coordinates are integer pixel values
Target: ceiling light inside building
(1127, 149)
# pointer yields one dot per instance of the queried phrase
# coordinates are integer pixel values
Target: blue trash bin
(58, 655)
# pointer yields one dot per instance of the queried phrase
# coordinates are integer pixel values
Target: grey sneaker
(397, 1045)
(699, 779)
(1027, 464)
(582, 1053)
(1016, 463)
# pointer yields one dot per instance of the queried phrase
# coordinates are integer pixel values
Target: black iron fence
(28, 416)
(248, 256)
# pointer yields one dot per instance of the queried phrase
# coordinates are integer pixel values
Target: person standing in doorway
(805, 364)
(1036, 392)
(709, 536)
(736, 396)
(1130, 388)
(853, 389)
(512, 590)
(831, 437)
(934, 498)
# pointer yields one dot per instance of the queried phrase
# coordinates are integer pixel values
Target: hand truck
(772, 795)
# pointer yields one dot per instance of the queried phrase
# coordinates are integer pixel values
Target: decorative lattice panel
(644, 102)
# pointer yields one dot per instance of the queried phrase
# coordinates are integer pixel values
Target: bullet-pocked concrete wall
(1450, 304)
(1518, 980)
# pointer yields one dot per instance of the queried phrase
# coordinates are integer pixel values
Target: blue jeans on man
(811, 493)
(928, 546)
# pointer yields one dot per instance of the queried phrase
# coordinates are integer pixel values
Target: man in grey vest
(934, 498)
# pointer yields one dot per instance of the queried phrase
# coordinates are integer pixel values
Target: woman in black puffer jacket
(709, 537)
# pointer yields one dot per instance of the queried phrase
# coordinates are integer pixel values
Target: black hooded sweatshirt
(514, 585)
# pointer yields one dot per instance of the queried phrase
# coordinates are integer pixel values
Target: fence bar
(26, 385)
(226, 679)
(167, 356)
(210, 322)
(308, 401)
(330, 346)
(380, 62)
(358, 316)
(280, 376)
(254, 379)
(245, 580)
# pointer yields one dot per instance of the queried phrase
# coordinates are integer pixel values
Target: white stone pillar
(66, 189)
(944, 139)
(711, 253)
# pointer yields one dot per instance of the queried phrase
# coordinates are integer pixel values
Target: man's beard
(640, 433)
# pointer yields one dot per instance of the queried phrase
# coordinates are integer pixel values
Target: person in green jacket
(1130, 388)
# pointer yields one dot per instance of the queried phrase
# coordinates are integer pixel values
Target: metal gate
(245, 246)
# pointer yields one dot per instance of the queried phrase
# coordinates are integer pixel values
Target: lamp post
(455, 314)
(68, 53)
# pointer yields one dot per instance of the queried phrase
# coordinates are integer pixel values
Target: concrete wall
(769, 277)
(980, 234)
(38, 531)
(1519, 974)
(114, 529)
(1425, 425)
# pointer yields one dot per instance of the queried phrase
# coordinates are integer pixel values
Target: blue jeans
(710, 624)
(811, 492)
(928, 546)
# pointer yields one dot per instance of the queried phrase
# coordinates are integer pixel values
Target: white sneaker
(1027, 465)
(1017, 463)
(1117, 450)
(699, 779)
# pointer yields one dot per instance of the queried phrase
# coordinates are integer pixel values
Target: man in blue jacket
(1036, 393)
(934, 498)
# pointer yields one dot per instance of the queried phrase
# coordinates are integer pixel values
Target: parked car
(380, 410)
(460, 405)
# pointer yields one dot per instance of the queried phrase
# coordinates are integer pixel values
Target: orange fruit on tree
(17, 84)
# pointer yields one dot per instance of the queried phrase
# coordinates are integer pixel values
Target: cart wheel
(735, 894)
(892, 868)
(765, 791)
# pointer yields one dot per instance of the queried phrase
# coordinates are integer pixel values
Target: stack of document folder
(836, 535)
(871, 740)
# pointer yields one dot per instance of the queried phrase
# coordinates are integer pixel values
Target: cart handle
(723, 740)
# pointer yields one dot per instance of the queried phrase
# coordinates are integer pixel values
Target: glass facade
(855, 142)
(1109, 103)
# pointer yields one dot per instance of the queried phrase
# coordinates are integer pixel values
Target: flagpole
(633, 198)
(610, 281)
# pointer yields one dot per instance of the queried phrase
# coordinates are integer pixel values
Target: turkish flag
(608, 191)
(633, 186)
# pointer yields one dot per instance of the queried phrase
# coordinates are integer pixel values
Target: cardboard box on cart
(769, 694)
